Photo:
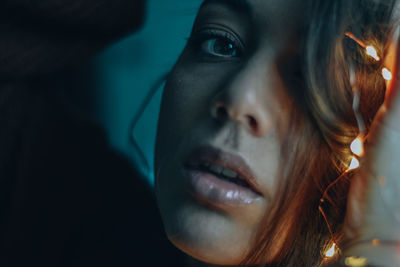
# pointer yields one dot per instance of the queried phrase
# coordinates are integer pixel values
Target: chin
(208, 236)
(202, 253)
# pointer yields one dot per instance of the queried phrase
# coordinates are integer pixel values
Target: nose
(246, 99)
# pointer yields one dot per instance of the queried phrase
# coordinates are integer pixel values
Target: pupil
(224, 48)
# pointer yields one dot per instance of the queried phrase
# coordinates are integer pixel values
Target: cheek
(188, 94)
(180, 108)
(183, 106)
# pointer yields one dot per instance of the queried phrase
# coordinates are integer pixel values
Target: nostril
(251, 119)
(252, 122)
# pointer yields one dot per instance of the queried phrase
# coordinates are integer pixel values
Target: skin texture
(234, 99)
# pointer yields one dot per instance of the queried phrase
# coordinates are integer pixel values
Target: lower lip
(209, 187)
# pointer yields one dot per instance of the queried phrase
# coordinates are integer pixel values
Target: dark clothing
(66, 198)
(42, 37)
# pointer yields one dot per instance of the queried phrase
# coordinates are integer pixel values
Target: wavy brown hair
(321, 129)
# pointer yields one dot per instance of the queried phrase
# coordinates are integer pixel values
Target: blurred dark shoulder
(41, 37)
(66, 197)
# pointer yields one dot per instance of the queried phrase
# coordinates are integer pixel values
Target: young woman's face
(222, 119)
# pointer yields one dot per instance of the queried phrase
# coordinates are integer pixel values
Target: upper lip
(224, 159)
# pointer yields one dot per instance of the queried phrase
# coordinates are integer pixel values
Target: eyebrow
(238, 5)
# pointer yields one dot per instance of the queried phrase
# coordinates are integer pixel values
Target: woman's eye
(216, 44)
(220, 47)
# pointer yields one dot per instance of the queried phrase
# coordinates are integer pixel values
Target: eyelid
(209, 32)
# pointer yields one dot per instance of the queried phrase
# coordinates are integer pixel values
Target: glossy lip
(210, 187)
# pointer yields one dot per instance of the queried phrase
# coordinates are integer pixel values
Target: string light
(354, 164)
(371, 51)
(355, 39)
(387, 75)
(356, 261)
(357, 145)
(331, 251)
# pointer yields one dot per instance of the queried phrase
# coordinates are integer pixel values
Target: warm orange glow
(357, 147)
(375, 242)
(356, 261)
(354, 164)
(371, 51)
(355, 39)
(331, 251)
(387, 75)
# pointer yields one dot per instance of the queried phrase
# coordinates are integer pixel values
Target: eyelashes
(216, 44)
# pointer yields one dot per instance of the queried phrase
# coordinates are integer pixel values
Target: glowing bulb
(387, 75)
(356, 262)
(357, 147)
(354, 164)
(371, 51)
(331, 251)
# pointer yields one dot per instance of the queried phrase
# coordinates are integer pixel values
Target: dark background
(70, 194)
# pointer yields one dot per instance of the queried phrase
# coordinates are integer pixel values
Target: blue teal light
(128, 69)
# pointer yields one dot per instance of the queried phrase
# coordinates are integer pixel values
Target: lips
(224, 174)
(220, 177)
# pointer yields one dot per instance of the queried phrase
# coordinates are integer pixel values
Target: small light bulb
(371, 51)
(356, 261)
(387, 75)
(331, 251)
(357, 147)
(354, 164)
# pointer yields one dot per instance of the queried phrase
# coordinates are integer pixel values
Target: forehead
(278, 17)
(270, 20)
(282, 11)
